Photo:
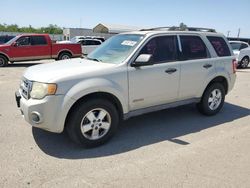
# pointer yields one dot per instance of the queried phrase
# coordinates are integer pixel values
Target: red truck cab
(36, 47)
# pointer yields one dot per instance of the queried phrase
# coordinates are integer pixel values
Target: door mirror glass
(142, 60)
(15, 44)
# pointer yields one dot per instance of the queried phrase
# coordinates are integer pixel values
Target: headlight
(40, 90)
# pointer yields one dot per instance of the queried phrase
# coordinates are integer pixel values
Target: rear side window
(220, 46)
(193, 48)
(243, 46)
(38, 40)
(94, 42)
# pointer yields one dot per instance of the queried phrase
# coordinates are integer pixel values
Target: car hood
(64, 70)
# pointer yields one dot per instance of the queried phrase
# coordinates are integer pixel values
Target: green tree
(51, 29)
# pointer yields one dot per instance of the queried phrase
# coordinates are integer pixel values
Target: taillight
(234, 65)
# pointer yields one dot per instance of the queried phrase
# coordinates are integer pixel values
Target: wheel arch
(64, 51)
(4, 55)
(219, 79)
(100, 95)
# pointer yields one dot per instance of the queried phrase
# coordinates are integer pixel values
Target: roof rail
(174, 28)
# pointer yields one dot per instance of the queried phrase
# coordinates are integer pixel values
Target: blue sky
(223, 15)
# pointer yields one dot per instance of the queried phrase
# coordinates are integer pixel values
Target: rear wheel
(244, 62)
(212, 99)
(92, 123)
(64, 55)
(3, 61)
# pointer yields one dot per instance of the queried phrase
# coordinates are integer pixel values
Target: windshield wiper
(94, 59)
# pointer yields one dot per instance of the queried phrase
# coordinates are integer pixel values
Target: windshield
(116, 49)
(12, 40)
(235, 46)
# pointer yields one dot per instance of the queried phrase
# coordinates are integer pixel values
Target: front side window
(116, 49)
(220, 46)
(38, 40)
(193, 48)
(162, 49)
(23, 41)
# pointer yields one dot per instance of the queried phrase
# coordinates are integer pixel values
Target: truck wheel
(244, 62)
(3, 61)
(92, 123)
(64, 55)
(212, 99)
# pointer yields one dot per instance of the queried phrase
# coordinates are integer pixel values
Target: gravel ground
(172, 148)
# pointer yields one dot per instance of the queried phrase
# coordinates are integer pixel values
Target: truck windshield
(116, 49)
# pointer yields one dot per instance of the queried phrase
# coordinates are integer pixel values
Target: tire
(244, 62)
(92, 123)
(212, 99)
(64, 55)
(3, 61)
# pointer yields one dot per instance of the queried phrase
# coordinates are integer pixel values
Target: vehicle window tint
(96, 42)
(220, 46)
(193, 48)
(23, 41)
(2, 39)
(235, 46)
(83, 42)
(243, 46)
(162, 49)
(86, 42)
(38, 40)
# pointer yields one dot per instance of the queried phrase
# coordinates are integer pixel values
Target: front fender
(96, 85)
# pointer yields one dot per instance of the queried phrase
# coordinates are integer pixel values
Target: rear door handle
(207, 66)
(170, 70)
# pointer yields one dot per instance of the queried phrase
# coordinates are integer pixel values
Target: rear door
(41, 48)
(196, 66)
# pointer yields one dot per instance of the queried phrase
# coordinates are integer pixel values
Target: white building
(103, 30)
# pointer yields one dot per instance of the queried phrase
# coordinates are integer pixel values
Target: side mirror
(14, 44)
(142, 60)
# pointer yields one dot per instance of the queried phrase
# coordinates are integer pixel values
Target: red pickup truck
(36, 47)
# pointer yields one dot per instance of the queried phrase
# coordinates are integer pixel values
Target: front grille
(25, 88)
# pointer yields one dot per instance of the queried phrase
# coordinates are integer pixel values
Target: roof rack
(174, 28)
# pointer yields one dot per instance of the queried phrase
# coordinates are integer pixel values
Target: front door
(22, 50)
(158, 83)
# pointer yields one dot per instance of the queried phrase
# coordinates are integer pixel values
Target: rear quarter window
(220, 46)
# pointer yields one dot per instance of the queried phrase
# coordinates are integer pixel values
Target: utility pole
(238, 33)
(228, 32)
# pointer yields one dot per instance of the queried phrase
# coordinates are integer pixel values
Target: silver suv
(130, 74)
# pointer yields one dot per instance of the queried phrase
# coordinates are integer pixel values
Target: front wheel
(92, 123)
(212, 99)
(3, 61)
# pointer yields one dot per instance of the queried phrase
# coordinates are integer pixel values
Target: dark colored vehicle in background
(36, 47)
(5, 38)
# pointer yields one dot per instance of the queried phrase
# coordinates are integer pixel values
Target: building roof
(113, 28)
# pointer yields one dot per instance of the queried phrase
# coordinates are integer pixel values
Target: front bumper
(45, 113)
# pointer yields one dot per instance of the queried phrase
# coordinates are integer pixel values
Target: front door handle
(207, 66)
(170, 70)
